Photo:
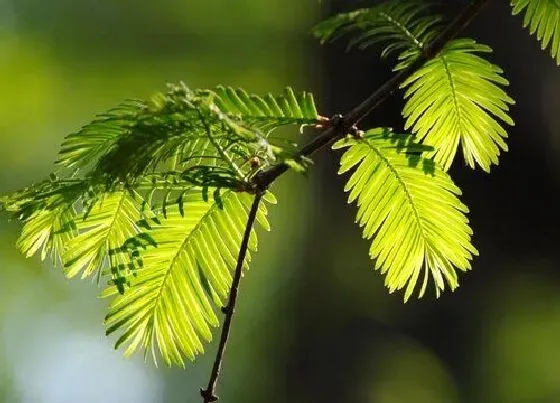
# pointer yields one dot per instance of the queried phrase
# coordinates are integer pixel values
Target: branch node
(337, 121)
(227, 310)
(323, 122)
(355, 132)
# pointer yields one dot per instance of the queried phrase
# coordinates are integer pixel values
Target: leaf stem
(208, 394)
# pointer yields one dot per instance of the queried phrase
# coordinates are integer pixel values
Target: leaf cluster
(153, 196)
(455, 99)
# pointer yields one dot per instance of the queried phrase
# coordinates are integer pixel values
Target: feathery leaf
(169, 304)
(269, 112)
(188, 129)
(401, 25)
(542, 17)
(410, 209)
(454, 99)
(48, 231)
(47, 210)
(93, 140)
(103, 229)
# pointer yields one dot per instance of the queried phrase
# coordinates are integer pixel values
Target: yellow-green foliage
(542, 17)
(409, 207)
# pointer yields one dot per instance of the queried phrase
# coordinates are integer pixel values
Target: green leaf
(454, 99)
(103, 230)
(47, 210)
(185, 129)
(410, 209)
(269, 112)
(542, 17)
(48, 230)
(93, 140)
(169, 305)
(400, 25)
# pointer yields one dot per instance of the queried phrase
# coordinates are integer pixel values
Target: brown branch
(344, 124)
(208, 394)
(338, 128)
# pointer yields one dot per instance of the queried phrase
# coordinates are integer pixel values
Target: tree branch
(338, 128)
(208, 394)
(344, 124)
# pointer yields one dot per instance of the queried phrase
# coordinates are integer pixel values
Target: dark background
(315, 323)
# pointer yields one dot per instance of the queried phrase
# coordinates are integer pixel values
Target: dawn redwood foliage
(158, 198)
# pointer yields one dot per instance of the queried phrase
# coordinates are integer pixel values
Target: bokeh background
(314, 322)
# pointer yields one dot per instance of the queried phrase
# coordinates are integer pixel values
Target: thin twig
(344, 124)
(337, 129)
(209, 393)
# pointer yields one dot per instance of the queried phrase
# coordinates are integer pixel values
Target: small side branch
(209, 394)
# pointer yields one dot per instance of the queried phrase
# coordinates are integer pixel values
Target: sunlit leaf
(409, 207)
(455, 100)
(169, 305)
(542, 17)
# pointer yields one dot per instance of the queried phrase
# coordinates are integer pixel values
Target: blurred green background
(314, 322)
